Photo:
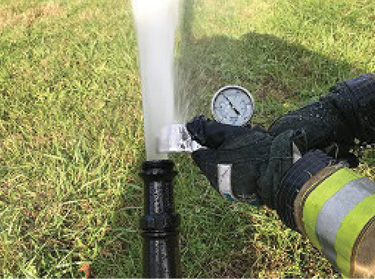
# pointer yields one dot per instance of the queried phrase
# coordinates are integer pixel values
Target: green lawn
(71, 137)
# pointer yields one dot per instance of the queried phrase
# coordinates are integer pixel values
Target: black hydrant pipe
(160, 222)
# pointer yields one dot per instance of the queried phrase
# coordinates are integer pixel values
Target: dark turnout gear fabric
(302, 171)
(256, 160)
(355, 100)
(322, 123)
(332, 123)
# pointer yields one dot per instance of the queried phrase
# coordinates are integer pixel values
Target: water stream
(156, 23)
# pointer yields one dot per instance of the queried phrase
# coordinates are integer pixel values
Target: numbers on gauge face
(233, 105)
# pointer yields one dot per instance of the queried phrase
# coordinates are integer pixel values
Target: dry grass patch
(89, 14)
(8, 17)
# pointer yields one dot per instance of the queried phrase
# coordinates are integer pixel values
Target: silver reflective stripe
(296, 153)
(224, 175)
(336, 209)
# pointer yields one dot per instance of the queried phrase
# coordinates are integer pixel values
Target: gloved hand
(333, 122)
(242, 163)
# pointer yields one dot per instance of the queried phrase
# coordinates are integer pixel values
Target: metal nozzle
(176, 138)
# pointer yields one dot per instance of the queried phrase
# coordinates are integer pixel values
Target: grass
(71, 138)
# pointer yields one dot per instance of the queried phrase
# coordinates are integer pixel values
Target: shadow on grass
(273, 69)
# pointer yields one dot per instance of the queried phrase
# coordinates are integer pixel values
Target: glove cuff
(310, 164)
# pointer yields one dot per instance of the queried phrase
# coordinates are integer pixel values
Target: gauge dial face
(233, 105)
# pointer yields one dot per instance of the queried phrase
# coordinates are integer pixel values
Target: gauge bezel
(236, 87)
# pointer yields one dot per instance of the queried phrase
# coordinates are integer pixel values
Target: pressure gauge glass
(233, 105)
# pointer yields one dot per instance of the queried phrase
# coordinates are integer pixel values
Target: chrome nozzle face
(176, 138)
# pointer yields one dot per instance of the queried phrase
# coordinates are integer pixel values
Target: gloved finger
(259, 128)
(342, 152)
(205, 159)
(211, 133)
(352, 160)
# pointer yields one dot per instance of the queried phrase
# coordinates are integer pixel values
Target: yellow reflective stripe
(349, 230)
(317, 198)
(336, 209)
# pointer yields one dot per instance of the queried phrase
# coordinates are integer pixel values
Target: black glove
(346, 113)
(324, 127)
(242, 163)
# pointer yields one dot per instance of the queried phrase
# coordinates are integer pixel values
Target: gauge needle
(232, 106)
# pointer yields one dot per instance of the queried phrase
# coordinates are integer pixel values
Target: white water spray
(156, 22)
